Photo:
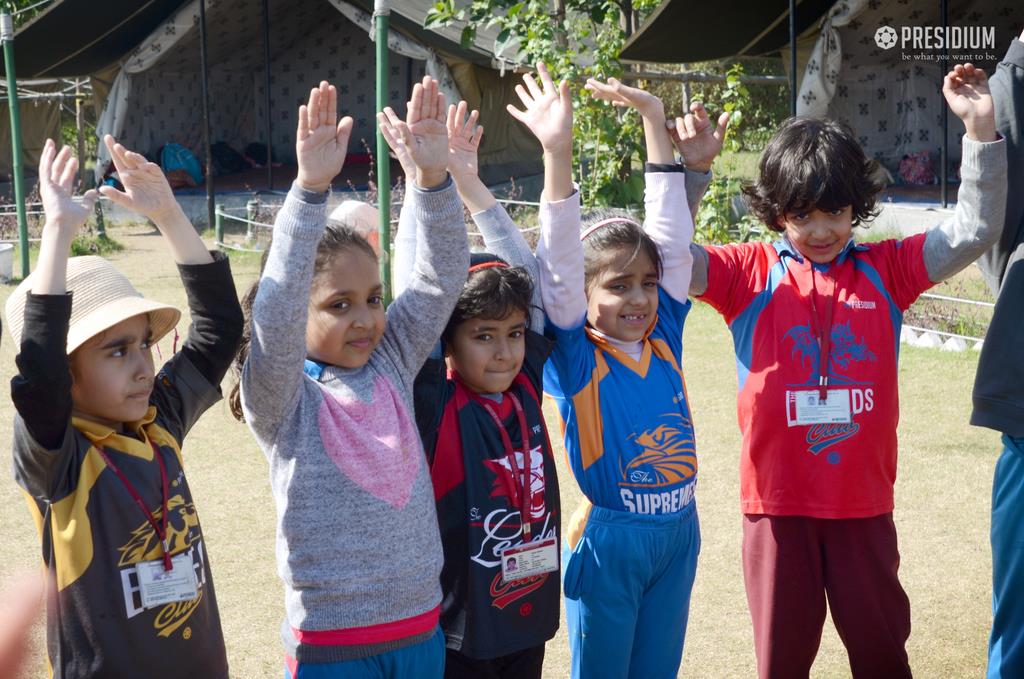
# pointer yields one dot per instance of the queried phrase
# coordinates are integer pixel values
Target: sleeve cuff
(435, 189)
(663, 167)
(307, 196)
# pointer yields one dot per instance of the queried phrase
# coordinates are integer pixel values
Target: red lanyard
(161, 531)
(823, 331)
(519, 495)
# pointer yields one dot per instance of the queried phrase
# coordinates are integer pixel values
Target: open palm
(321, 141)
(619, 94)
(464, 137)
(57, 172)
(548, 110)
(146, 190)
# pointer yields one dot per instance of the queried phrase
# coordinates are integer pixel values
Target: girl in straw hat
(97, 437)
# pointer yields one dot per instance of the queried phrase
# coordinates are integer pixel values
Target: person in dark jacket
(999, 385)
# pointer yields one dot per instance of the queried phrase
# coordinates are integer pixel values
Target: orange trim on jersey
(587, 404)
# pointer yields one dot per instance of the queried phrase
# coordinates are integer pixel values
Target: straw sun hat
(102, 298)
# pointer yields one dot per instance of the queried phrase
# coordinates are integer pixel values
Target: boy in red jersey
(815, 319)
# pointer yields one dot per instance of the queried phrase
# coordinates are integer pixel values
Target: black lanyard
(823, 332)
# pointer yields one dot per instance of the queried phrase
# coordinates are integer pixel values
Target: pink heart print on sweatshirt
(374, 444)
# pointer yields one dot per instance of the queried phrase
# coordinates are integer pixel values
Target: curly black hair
(808, 164)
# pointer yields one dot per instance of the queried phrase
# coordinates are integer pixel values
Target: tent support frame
(944, 65)
(205, 80)
(7, 37)
(266, 92)
(792, 58)
(381, 18)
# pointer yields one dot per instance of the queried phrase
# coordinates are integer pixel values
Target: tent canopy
(71, 38)
(682, 31)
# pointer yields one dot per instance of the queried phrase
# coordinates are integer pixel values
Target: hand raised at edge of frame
(321, 140)
(967, 93)
(548, 111)
(696, 139)
(57, 172)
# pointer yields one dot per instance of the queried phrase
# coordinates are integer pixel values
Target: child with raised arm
(326, 388)
(478, 406)
(97, 437)
(815, 319)
(615, 299)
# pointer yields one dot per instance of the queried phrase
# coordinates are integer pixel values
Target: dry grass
(942, 500)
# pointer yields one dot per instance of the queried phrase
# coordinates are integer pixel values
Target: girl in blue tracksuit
(615, 295)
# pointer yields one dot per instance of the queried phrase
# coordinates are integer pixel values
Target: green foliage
(720, 221)
(584, 43)
(89, 244)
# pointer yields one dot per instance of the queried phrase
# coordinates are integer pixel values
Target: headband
(487, 265)
(605, 222)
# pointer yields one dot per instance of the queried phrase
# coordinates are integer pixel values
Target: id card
(158, 586)
(804, 407)
(526, 560)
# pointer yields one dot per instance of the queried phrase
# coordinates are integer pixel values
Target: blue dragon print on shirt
(846, 349)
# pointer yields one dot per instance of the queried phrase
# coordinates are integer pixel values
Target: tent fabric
(77, 37)
(157, 97)
(39, 120)
(682, 31)
(895, 104)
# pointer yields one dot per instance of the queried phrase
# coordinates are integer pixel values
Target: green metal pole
(218, 224)
(381, 16)
(7, 37)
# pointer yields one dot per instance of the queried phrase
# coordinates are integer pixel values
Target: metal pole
(205, 78)
(792, 58)
(266, 92)
(7, 37)
(381, 17)
(944, 66)
(80, 129)
(218, 225)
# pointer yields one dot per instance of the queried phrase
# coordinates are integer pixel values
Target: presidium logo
(937, 37)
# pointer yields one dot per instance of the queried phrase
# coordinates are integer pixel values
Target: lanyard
(519, 495)
(161, 531)
(823, 331)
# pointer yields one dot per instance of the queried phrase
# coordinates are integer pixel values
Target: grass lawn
(942, 500)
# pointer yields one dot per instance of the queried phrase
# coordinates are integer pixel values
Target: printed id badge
(158, 586)
(805, 407)
(530, 559)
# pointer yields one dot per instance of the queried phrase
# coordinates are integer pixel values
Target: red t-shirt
(764, 292)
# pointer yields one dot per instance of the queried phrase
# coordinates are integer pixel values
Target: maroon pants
(792, 563)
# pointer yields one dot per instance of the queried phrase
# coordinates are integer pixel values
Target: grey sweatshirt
(357, 537)
(999, 385)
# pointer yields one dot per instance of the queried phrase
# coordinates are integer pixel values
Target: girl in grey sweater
(326, 388)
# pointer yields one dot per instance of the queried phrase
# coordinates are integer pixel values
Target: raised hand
(423, 132)
(321, 140)
(619, 94)
(548, 111)
(388, 122)
(967, 93)
(146, 190)
(464, 137)
(696, 139)
(57, 172)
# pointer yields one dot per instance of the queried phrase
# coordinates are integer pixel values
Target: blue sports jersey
(628, 431)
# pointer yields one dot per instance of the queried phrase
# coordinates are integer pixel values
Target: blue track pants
(425, 659)
(1006, 643)
(627, 593)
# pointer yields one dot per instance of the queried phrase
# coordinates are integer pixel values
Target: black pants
(525, 664)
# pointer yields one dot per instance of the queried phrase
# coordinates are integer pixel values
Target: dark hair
(615, 236)
(811, 163)
(337, 238)
(492, 293)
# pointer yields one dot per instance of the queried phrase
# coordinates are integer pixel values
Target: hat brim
(162, 319)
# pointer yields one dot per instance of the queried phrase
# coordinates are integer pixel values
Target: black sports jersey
(92, 531)
(482, 616)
